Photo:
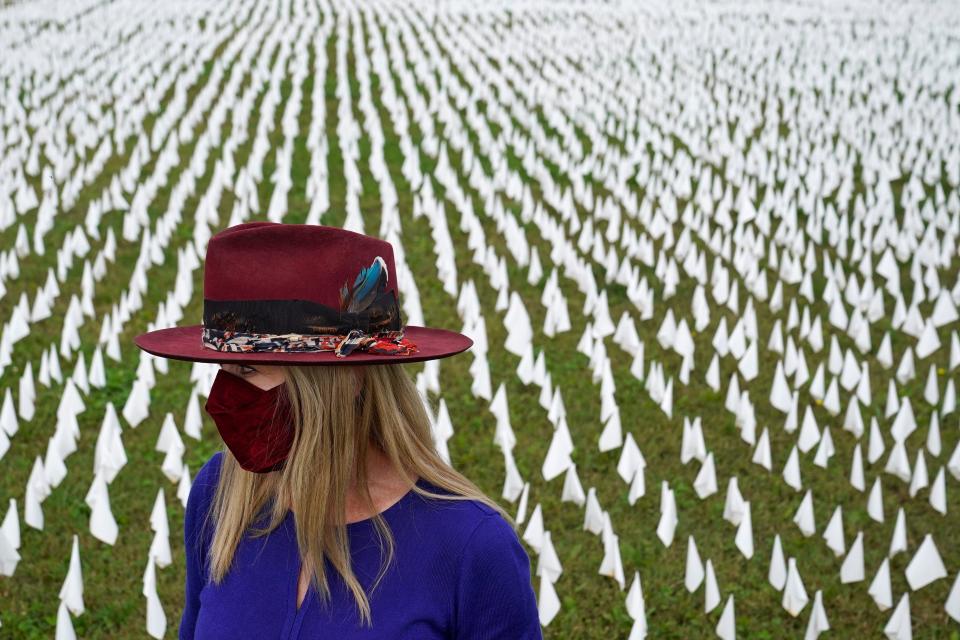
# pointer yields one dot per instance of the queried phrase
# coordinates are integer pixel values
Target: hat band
(383, 343)
(382, 313)
(260, 326)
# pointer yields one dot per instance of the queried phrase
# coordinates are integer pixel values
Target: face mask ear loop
(284, 405)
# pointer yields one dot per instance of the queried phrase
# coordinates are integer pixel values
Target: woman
(329, 514)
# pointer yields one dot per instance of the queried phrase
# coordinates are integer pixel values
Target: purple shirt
(459, 573)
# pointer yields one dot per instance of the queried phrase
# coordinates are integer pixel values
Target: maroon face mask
(254, 423)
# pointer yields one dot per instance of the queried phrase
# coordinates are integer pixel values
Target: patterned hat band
(386, 343)
(368, 320)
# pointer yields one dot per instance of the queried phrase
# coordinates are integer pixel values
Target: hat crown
(278, 261)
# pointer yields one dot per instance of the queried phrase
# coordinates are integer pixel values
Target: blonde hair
(333, 427)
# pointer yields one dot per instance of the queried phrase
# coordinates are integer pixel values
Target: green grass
(592, 605)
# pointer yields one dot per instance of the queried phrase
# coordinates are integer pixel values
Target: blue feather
(366, 286)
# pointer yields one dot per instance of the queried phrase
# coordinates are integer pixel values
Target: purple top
(459, 573)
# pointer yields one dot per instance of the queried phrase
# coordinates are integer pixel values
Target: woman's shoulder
(207, 477)
(489, 568)
(464, 521)
(199, 500)
(469, 508)
(210, 471)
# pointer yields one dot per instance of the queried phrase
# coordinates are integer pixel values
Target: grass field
(534, 99)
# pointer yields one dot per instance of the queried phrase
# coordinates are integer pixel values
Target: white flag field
(707, 253)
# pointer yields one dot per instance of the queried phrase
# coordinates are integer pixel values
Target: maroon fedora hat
(300, 294)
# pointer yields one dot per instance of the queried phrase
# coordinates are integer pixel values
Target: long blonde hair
(333, 426)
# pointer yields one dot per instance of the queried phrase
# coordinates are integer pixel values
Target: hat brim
(184, 343)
